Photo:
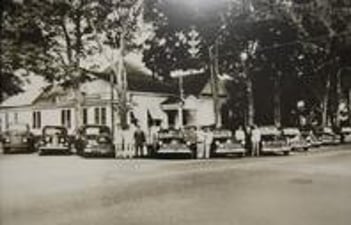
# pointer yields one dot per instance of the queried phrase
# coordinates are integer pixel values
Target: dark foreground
(306, 188)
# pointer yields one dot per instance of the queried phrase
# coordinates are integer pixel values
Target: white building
(150, 99)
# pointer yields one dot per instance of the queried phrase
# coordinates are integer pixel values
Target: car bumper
(300, 146)
(16, 147)
(229, 150)
(54, 149)
(174, 151)
(272, 149)
(96, 151)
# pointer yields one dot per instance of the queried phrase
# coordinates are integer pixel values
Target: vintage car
(94, 140)
(225, 143)
(327, 136)
(272, 140)
(313, 140)
(18, 138)
(174, 142)
(346, 134)
(54, 140)
(295, 139)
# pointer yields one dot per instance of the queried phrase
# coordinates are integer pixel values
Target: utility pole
(181, 103)
(214, 71)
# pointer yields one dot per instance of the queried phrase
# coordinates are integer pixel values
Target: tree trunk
(79, 101)
(122, 86)
(325, 103)
(350, 106)
(250, 101)
(277, 102)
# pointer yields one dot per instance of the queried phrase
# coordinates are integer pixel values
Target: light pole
(245, 57)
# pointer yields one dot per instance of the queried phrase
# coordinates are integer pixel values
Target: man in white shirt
(240, 135)
(255, 140)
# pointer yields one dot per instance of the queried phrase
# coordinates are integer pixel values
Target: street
(304, 188)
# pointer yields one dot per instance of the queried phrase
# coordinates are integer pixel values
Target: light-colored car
(224, 144)
(174, 142)
(18, 138)
(95, 140)
(272, 140)
(346, 132)
(295, 139)
(54, 139)
(328, 137)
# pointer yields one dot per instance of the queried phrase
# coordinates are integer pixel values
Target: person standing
(240, 135)
(255, 140)
(139, 141)
(200, 140)
(208, 142)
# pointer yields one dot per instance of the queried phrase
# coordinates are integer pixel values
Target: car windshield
(54, 131)
(271, 138)
(170, 135)
(222, 133)
(18, 128)
(94, 131)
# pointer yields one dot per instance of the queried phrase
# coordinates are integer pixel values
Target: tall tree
(72, 35)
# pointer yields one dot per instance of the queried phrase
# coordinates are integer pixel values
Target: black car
(174, 142)
(95, 140)
(54, 139)
(18, 138)
(224, 143)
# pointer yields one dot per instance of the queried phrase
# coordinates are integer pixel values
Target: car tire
(305, 149)
(41, 152)
(286, 152)
(6, 150)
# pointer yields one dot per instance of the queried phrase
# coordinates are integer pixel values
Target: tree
(21, 45)
(326, 34)
(72, 35)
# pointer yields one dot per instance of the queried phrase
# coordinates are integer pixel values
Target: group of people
(201, 139)
(250, 138)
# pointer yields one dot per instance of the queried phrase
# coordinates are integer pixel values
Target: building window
(6, 120)
(100, 116)
(66, 118)
(103, 116)
(85, 116)
(15, 118)
(36, 120)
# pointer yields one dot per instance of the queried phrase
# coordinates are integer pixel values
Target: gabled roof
(22, 99)
(194, 84)
(139, 81)
(200, 84)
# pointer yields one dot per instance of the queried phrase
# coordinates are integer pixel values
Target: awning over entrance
(172, 103)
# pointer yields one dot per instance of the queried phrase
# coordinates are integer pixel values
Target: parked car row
(91, 140)
(97, 140)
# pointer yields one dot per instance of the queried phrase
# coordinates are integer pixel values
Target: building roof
(138, 80)
(22, 99)
(194, 84)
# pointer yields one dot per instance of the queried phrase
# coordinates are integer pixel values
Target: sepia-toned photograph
(175, 112)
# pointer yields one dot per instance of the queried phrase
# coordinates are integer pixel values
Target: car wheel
(6, 150)
(286, 152)
(305, 149)
(194, 154)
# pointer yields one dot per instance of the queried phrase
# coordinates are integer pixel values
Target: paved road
(306, 188)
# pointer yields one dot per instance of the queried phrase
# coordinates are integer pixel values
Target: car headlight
(7, 140)
(160, 143)
(229, 141)
(24, 140)
(188, 143)
(217, 143)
